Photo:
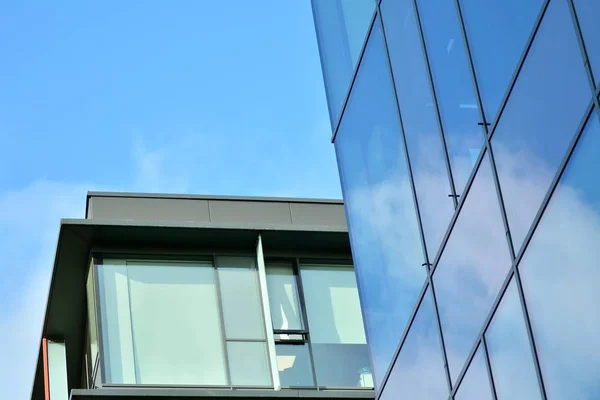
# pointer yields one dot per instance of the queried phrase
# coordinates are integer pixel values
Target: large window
(200, 322)
(316, 324)
(162, 324)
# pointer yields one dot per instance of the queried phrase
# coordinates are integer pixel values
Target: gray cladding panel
(149, 209)
(318, 214)
(250, 212)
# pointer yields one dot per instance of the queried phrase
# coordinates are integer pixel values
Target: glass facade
(467, 149)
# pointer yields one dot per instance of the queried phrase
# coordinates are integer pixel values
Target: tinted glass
(475, 384)
(419, 119)
(153, 329)
(497, 31)
(560, 277)
(248, 363)
(587, 13)
(418, 372)
(293, 364)
(335, 324)
(342, 27)
(386, 245)
(283, 297)
(453, 85)
(240, 298)
(175, 324)
(540, 119)
(509, 351)
(472, 268)
(57, 371)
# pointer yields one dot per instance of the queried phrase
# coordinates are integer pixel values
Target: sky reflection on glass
(382, 219)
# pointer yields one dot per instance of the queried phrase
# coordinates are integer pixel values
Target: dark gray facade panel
(148, 209)
(318, 214)
(249, 212)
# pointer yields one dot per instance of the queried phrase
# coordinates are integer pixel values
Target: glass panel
(91, 312)
(529, 146)
(497, 31)
(453, 85)
(283, 297)
(341, 26)
(248, 363)
(175, 323)
(472, 268)
(509, 351)
(418, 373)
(293, 364)
(386, 244)
(115, 317)
(476, 383)
(335, 324)
(419, 120)
(560, 277)
(57, 371)
(240, 298)
(153, 329)
(587, 13)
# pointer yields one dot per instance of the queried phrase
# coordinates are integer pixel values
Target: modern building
(468, 144)
(200, 297)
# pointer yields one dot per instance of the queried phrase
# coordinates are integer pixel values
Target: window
(560, 275)
(342, 27)
(475, 384)
(497, 31)
(200, 322)
(509, 351)
(57, 370)
(529, 146)
(472, 268)
(453, 82)
(418, 372)
(320, 323)
(162, 324)
(419, 119)
(382, 220)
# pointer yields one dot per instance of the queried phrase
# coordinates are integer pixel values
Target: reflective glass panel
(342, 27)
(509, 351)
(560, 276)
(497, 31)
(587, 13)
(471, 269)
(160, 323)
(284, 302)
(386, 244)
(419, 120)
(248, 363)
(242, 314)
(335, 324)
(541, 117)
(453, 85)
(175, 323)
(115, 320)
(293, 364)
(476, 383)
(418, 373)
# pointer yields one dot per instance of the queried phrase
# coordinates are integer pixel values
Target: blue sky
(186, 96)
